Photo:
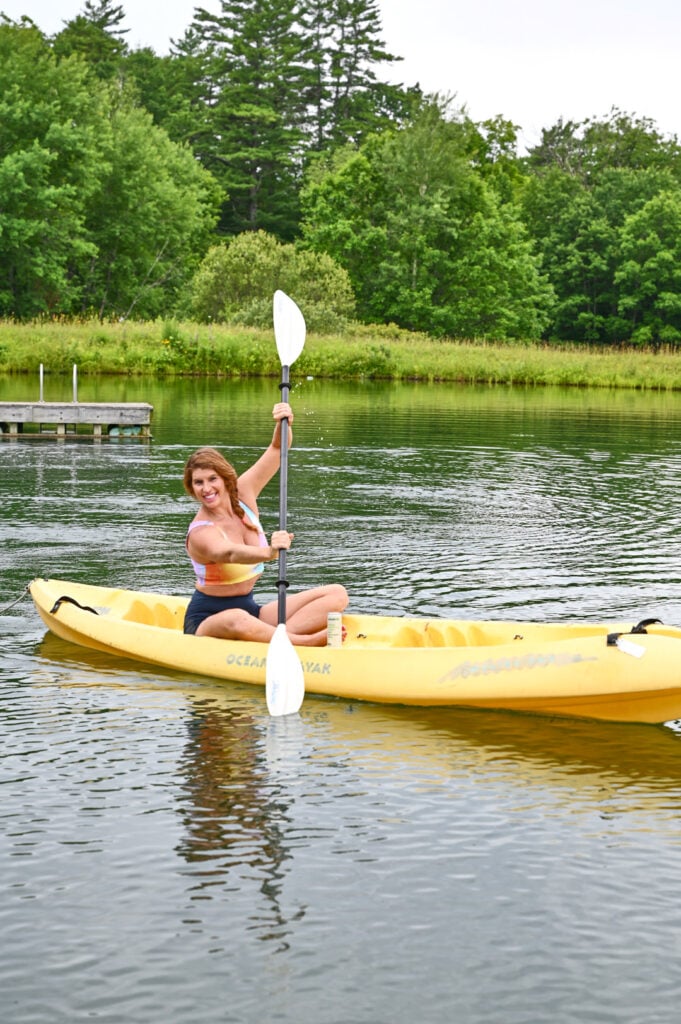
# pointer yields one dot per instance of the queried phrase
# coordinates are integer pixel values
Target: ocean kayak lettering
(245, 661)
(252, 661)
(317, 668)
(516, 664)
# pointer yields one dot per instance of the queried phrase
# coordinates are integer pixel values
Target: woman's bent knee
(340, 596)
(230, 624)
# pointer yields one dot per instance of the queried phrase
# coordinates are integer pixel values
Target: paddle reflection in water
(235, 819)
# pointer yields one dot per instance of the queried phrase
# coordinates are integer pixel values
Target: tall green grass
(378, 353)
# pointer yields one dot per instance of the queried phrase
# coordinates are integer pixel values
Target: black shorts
(202, 607)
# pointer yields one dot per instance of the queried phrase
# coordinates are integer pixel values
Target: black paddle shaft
(282, 582)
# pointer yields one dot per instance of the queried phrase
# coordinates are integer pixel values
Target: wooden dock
(74, 419)
(64, 419)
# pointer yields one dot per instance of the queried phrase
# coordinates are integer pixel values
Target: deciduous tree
(426, 242)
(577, 228)
(50, 167)
(649, 272)
(237, 279)
(100, 210)
(152, 218)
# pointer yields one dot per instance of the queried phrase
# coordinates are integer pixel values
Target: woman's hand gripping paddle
(284, 682)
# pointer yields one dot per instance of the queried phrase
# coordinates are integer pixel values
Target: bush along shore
(379, 352)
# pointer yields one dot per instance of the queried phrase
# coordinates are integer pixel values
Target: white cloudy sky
(531, 61)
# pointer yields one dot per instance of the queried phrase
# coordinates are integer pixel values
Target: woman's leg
(236, 624)
(306, 613)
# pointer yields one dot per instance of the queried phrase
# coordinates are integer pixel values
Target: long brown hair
(211, 458)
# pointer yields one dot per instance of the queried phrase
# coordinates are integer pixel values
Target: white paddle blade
(289, 328)
(284, 681)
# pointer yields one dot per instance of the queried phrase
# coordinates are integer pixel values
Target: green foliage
(236, 282)
(426, 242)
(152, 218)
(100, 211)
(345, 101)
(584, 205)
(252, 131)
(578, 228)
(170, 88)
(649, 272)
(95, 36)
(493, 147)
(438, 224)
(266, 82)
(585, 149)
(49, 120)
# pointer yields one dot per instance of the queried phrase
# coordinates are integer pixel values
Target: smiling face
(208, 487)
(209, 478)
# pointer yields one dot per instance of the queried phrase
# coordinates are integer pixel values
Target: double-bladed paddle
(284, 682)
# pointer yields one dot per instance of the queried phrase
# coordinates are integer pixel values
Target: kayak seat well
(154, 615)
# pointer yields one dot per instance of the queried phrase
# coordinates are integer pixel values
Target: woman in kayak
(227, 548)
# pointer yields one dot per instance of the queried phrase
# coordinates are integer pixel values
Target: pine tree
(252, 139)
(346, 101)
(358, 50)
(96, 36)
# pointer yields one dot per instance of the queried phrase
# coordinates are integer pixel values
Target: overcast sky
(532, 61)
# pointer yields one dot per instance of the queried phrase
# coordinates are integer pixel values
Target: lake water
(171, 855)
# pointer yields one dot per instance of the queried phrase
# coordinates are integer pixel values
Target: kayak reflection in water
(228, 549)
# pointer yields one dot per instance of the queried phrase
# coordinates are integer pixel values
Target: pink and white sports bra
(221, 573)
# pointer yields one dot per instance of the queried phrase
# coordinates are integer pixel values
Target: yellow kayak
(615, 671)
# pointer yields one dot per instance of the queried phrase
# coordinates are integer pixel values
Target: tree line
(266, 150)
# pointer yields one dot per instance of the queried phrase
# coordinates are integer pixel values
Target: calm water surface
(168, 853)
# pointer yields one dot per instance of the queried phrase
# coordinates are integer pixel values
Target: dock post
(75, 383)
(42, 374)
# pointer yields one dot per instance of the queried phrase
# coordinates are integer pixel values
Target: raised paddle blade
(284, 682)
(289, 328)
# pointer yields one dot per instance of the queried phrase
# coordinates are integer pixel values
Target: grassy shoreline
(380, 353)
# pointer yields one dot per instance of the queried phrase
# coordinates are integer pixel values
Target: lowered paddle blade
(289, 328)
(284, 682)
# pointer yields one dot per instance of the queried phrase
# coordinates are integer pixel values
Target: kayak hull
(574, 669)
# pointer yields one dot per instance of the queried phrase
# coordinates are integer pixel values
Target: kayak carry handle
(640, 627)
(71, 600)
